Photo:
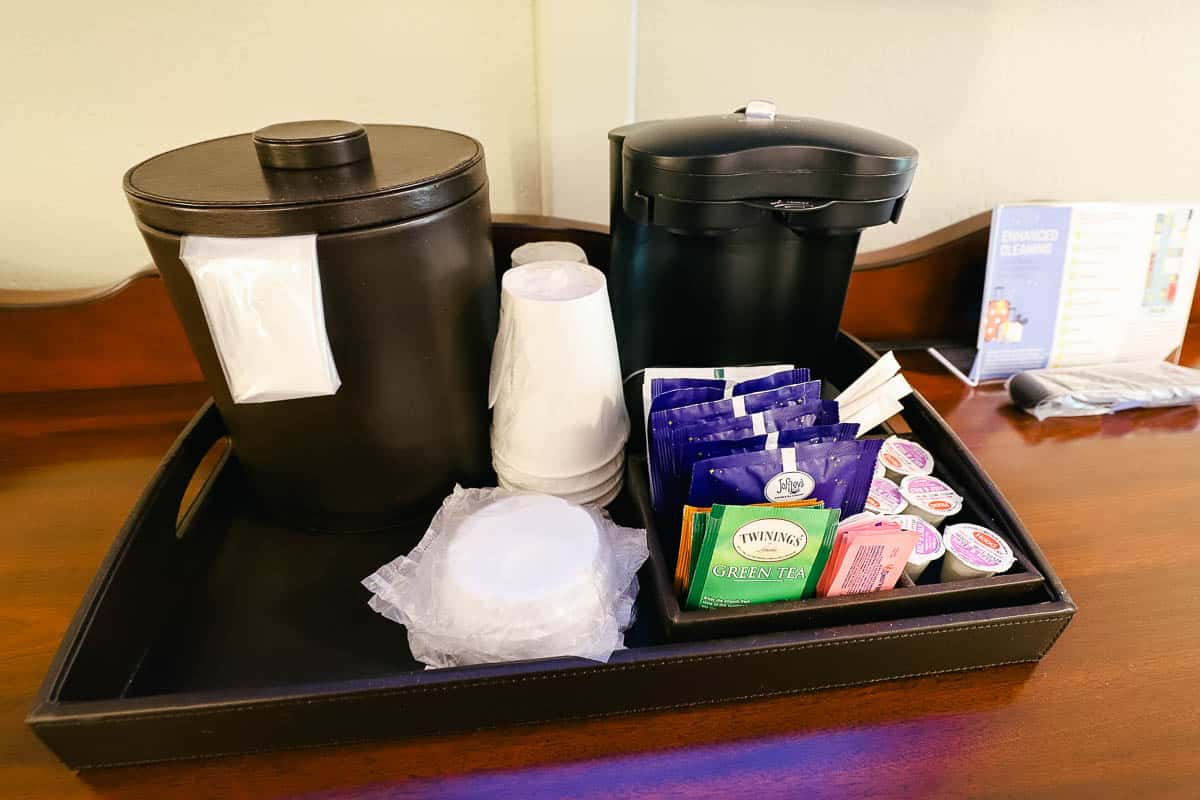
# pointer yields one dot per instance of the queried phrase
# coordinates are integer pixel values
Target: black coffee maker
(733, 236)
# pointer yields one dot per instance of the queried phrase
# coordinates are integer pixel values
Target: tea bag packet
(725, 387)
(837, 473)
(802, 415)
(262, 301)
(689, 396)
(868, 556)
(691, 452)
(684, 456)
(662, 422)
(691, 534)
(760, 555)
(653, 375)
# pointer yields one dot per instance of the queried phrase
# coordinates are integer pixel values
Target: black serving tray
(217, 632)
(982, 504)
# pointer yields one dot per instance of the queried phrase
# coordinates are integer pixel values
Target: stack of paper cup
(533, 252)
(559, 424)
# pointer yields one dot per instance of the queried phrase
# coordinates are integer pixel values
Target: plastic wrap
(1087, 391)
(263, 304)
(503, 576)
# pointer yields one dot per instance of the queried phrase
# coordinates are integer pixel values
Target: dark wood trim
(925, 246)
(127, 334)
(27, 299)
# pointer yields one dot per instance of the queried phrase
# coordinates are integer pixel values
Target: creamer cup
(929, 498)
(884, 498)
(901, 458)
(859, 517)
(973, 551)
(929, 547)
(880, 470)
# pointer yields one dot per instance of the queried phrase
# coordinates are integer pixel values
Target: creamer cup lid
(930, 494)
(884, 497)
(859, 517)
(929, 547)
(978, 547)
(905, 457)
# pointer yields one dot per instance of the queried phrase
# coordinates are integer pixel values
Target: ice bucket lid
(316, 176)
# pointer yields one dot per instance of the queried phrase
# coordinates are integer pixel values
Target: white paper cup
(973, 551)
(607, 498)
(930, 499)
(901, 458)
(560, 486)
(582, 495)
(556, 393)
(533, 252)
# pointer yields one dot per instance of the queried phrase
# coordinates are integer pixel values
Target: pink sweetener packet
(869, 558)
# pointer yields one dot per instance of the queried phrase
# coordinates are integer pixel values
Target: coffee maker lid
(755, 153)
(317, 176)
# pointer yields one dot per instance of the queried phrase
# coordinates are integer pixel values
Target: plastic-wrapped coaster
(901, 458)
(973, 551)
(504, 576)
(930, 499)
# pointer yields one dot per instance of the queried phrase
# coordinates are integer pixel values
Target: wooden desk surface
(1113, 710)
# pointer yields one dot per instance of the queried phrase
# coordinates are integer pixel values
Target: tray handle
(148, 554)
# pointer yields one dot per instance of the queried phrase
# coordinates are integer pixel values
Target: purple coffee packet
(662, 422)
(801, 415)
(675, 486)
(837, 473)
(675, 398)
(724, 387)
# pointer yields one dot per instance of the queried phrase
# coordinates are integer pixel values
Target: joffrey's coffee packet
(837, 473)
(678, 467)
(801, 415)
(760, 554)
(723, 387)
(691, 452)
(662, 422)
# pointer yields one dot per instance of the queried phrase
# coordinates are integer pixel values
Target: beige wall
(88, 89)
(1006, 101)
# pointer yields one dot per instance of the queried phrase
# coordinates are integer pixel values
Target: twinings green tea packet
(691, 536)
(755, 554)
